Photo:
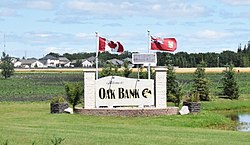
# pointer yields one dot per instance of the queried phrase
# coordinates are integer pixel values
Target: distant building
(31, 63)
(50, 61)
(64, 62)
(86, 63)
(82, 63)
(115, 62)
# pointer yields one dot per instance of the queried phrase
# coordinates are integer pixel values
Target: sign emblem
(146, 93)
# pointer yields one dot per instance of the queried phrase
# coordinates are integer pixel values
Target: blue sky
(37, 27)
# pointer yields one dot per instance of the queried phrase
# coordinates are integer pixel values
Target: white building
(32, 63)
(50, 61)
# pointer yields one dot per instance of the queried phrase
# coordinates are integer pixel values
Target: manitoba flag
(115, 46)
(165, 44)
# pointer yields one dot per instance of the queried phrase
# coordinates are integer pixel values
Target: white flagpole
(96, 57)
(149, 47)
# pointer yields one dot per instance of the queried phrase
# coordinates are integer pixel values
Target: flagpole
(96, 57)
(149, 47)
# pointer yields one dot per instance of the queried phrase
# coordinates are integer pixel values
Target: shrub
(6, 66)
(109, 70)
(74, 91)
(126, 71)
(58, 99)
(57, 140)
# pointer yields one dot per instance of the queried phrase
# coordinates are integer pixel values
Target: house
(50, 61)
(64, 62)
(82, 63)
(92, 59)
(115, 62)
(28, 63)
(86, 63)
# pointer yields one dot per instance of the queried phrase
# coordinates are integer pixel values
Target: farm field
(40, 86)
(178, 70)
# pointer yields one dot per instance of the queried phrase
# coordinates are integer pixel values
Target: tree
(6, 66)
(126, 71)
(230, 87)
(201, 82)
(74, 91)
(174, 92)
(109, 70)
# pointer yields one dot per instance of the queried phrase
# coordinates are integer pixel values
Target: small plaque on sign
(144, 58)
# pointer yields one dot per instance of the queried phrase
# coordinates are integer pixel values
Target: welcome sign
(114, 91)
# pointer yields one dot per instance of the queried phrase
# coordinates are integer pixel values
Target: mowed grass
(25, 123)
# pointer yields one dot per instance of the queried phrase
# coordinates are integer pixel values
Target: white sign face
(115, 91)
(144, 58)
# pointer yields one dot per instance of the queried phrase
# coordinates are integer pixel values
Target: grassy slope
(24, 123)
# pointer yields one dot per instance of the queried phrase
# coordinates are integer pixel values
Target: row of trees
(241, 58)
(200, 90)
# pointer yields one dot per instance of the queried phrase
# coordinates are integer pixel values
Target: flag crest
(165, 44)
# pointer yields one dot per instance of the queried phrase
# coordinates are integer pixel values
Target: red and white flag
(115, 46)
(165, 44)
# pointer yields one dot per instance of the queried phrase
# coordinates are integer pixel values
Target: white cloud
(59, 50)
(82, 35)
(41, 4)
(211, 34)
(7, 12)
(237, 2)
(167, 8)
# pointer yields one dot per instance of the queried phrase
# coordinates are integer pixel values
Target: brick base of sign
(129, 112)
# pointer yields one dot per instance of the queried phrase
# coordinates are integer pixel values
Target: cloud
(211, 34)
(82, 35)
(7, 12)
(40, 4)
(59, 50)
(154, 8)
(112, 25)
(237, 2)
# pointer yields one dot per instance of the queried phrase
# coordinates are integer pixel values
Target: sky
(33, 28)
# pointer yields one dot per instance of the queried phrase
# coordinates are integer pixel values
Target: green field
(36, 86)
(26, 119)
(42, 86)
(27, 123)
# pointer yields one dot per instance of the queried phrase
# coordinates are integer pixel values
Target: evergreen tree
(230, 87)
(174, 93)
(201, 82)
(6, 66)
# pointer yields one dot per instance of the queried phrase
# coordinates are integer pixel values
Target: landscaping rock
(184, 110)
(68, 110)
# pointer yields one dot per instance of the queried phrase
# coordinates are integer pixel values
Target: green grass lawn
(31, 122)
(27, 123)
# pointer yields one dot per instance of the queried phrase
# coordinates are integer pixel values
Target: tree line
(241, 58)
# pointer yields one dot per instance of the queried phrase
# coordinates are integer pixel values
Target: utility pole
(4, 42)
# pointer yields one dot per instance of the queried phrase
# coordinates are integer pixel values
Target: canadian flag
(165, 44)
(115, 46)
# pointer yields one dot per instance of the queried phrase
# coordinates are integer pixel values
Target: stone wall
(193, 107)
(58, 107)
(129, 112)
